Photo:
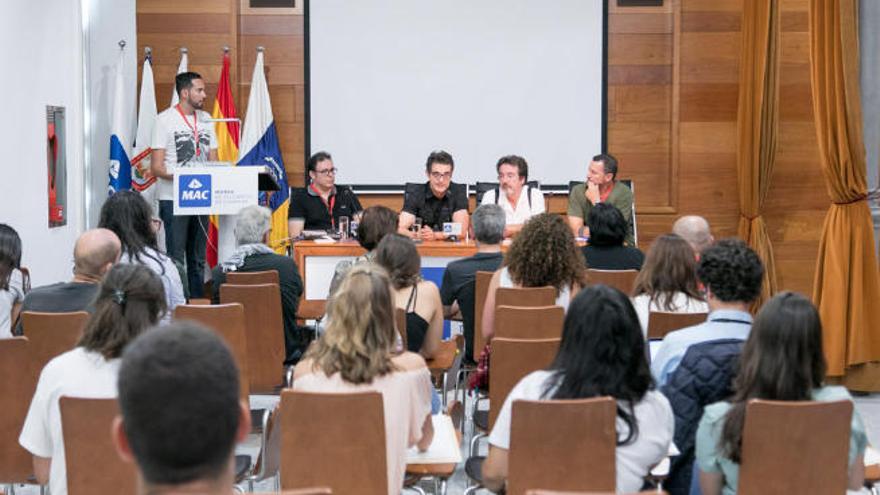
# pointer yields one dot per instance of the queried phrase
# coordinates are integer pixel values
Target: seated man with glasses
(319, 205)
(519, 200)
(439, 201)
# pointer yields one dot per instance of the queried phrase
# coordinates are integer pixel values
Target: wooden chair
(661, 323)
(400, 323)
(481, 289)
(622, 280)
(264, 333)
(525, 296)
(335, 440)
(253, 278)
(513, 359)
(544, 453)
(93, 466)
(51, 334)
(199, 301)
(549, 492)
(228, 321)
(17, 389)
(540, 322)
(795, 447)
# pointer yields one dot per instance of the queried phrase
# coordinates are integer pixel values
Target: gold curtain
(757, 122)
(847, 285)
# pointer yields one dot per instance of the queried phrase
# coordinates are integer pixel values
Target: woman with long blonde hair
(357, 353)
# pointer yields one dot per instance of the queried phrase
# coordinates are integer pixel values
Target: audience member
(130, 300)
(253, 255)
(513, 175)
(731, 273)
(695, 230)
(543, 254)
(95, 252)
(601, 186)
(782, 360)
(128, 215)
(356, 353)
(458, 291)
(180, 414)
(606, 250)
(602, 353)
(439, 201)
(12, 281)
(418, 297)
(667, 281)
(376, 222)
(319, 205)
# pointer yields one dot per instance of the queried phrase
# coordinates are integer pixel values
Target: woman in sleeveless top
(543, 254)
(419, 298)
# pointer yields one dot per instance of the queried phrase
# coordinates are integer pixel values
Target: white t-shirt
(633, 460)
(176, 137)
(76, 373)
(167, 271)
(522, 212)
(681, 303)
(8, 299)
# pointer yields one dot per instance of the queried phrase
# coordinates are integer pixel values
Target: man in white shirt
(518, 200)
(183, 137)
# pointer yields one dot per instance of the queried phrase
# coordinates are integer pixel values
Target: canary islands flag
(259, 146)
(227, 146)
(120, 146)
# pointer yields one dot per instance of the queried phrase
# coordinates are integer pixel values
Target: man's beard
(193, 104)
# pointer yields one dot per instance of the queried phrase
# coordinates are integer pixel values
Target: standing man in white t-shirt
(183, 137)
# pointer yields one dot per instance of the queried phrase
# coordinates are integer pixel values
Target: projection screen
(388, 81)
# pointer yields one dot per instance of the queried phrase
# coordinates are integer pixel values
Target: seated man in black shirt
(459, 279)
(319, 205)
(253, 255)
(439, 201)
(95, 252)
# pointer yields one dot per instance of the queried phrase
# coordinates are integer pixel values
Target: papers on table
(872, 456)
(444, 448)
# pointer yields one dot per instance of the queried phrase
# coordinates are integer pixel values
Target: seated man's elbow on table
(495, 469)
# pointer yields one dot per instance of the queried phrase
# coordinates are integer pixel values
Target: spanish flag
(227, 144)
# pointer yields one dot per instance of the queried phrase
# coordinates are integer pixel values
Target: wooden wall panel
(673, 80)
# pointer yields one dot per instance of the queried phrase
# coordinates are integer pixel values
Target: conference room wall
(672, 96)
(42, 52)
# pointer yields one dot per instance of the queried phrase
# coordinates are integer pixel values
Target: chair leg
(471, 489)
(417, 489)
(473, 446)
(445, 390)
(442, 490)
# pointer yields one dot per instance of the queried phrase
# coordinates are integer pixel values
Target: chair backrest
(51, 334)
(481, 188)
(228, 321)
(400, 323)
(795, 447)
(512, 359)
(481, 289)
(622, 280)
(335, 440)
(544, 453)
(541, 322)
(661, 323)
(17, 388)
(264, 333)
(525, 296)
(93, 465)
(253, 278)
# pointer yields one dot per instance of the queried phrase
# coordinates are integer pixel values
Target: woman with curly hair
(419, 298)
(668, 281)
(543, 254)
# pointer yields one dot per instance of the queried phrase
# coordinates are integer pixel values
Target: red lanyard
(326, 204)
(194, 127)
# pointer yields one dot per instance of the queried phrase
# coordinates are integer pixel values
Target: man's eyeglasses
(327, 171)
(441, 176)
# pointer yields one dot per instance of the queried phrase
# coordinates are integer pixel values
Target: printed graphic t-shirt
(175, 135)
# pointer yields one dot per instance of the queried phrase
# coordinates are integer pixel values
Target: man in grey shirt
(94, 253)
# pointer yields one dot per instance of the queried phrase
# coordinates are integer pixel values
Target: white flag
(141, 179)
(120, 166)
(181, 68)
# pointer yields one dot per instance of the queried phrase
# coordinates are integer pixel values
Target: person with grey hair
(253, 255)
(695, 230)
(458, 290)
